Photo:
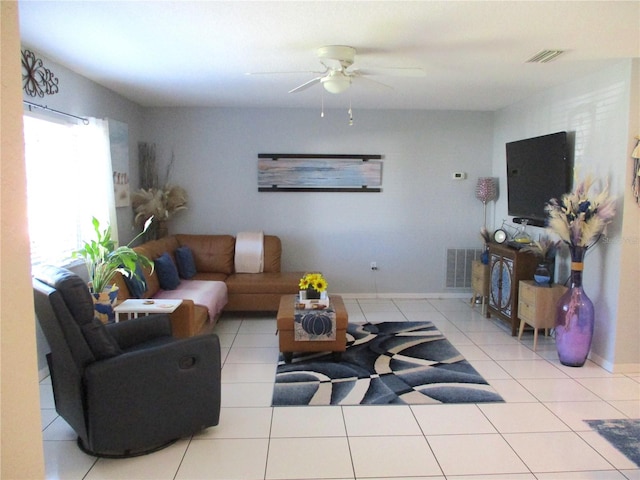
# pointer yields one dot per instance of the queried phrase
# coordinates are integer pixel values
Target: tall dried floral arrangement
(154, 201)
(160, 203)
(579, 218)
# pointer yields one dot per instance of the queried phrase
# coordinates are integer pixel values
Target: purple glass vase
(574, 317)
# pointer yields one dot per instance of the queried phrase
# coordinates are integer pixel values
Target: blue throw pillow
(186, 264)
(136, 284)
(167, 272)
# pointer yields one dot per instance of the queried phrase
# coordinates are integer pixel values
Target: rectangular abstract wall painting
(306, 172)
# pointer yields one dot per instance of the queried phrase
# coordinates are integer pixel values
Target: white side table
(133, 307)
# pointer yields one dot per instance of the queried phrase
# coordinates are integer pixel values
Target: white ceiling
(196, 53)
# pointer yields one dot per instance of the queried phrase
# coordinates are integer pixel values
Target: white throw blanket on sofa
(249, 256)
(208, 293)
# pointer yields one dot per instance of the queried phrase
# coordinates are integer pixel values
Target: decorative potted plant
(160, 203)
(155, 201)
(545, 249)
(103, 260)
(579, 218)
(312, 285)
(486, 238)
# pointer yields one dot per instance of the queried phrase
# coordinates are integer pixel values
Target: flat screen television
(538, 169)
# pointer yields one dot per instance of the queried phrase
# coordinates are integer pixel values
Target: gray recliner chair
(127, 388)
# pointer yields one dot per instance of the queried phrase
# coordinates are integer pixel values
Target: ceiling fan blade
(285, 73)
(392, 71)
(371, 82)
(306, 85)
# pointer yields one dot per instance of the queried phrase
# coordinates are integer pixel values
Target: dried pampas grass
(578, 218)
(161, 203)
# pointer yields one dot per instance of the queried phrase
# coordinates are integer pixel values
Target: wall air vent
(545, 56)
(459, 266)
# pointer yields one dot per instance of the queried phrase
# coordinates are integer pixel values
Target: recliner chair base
(126, 454)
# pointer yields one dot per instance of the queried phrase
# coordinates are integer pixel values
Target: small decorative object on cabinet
(507, 266)
(537, 307)
(500, 236)
(542, 275)
(545, 249)
(480, 283)
(486, 238)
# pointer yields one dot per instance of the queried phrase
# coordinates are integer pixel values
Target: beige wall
(627, 347)
(21, 454)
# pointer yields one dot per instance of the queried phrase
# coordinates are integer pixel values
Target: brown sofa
(214, 260)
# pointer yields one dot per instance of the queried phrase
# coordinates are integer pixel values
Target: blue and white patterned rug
(385, 363)
(624, 434)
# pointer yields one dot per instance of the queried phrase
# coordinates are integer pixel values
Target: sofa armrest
(183, 320)
(272, 253)
(134, 331)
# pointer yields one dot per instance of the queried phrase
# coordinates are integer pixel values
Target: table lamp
(486, 191)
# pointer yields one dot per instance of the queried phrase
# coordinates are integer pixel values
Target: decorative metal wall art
(36, 79)
(279, 172)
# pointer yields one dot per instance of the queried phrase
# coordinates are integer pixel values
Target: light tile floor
(538, 433)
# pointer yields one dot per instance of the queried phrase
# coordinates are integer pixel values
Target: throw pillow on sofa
(186, 263)
(136, 284)
(167, 272)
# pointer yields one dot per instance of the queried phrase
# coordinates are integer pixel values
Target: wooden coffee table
(286, 336)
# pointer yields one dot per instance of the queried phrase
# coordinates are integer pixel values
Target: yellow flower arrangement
(313, 280)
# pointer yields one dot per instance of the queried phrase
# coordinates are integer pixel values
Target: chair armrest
(154, 365)
(173, 386)
(129, 333)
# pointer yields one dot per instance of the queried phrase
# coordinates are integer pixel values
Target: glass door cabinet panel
(507, 266)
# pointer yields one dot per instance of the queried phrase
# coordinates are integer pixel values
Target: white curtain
(69, 181)
(98, 188)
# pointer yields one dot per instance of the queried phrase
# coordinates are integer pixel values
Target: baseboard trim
(407, 296)
(614, 367)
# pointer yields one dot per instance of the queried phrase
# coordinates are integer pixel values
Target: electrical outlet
(374, 266)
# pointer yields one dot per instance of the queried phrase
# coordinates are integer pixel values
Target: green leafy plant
(103, 259)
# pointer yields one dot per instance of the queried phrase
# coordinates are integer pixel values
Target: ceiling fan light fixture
(336, 83)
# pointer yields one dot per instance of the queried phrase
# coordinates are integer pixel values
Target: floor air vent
(459, 266)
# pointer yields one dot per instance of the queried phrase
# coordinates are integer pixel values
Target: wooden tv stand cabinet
(507, 266)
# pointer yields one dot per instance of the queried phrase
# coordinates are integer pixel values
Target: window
(69, 181)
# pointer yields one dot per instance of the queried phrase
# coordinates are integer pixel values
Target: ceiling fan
(339, 70)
